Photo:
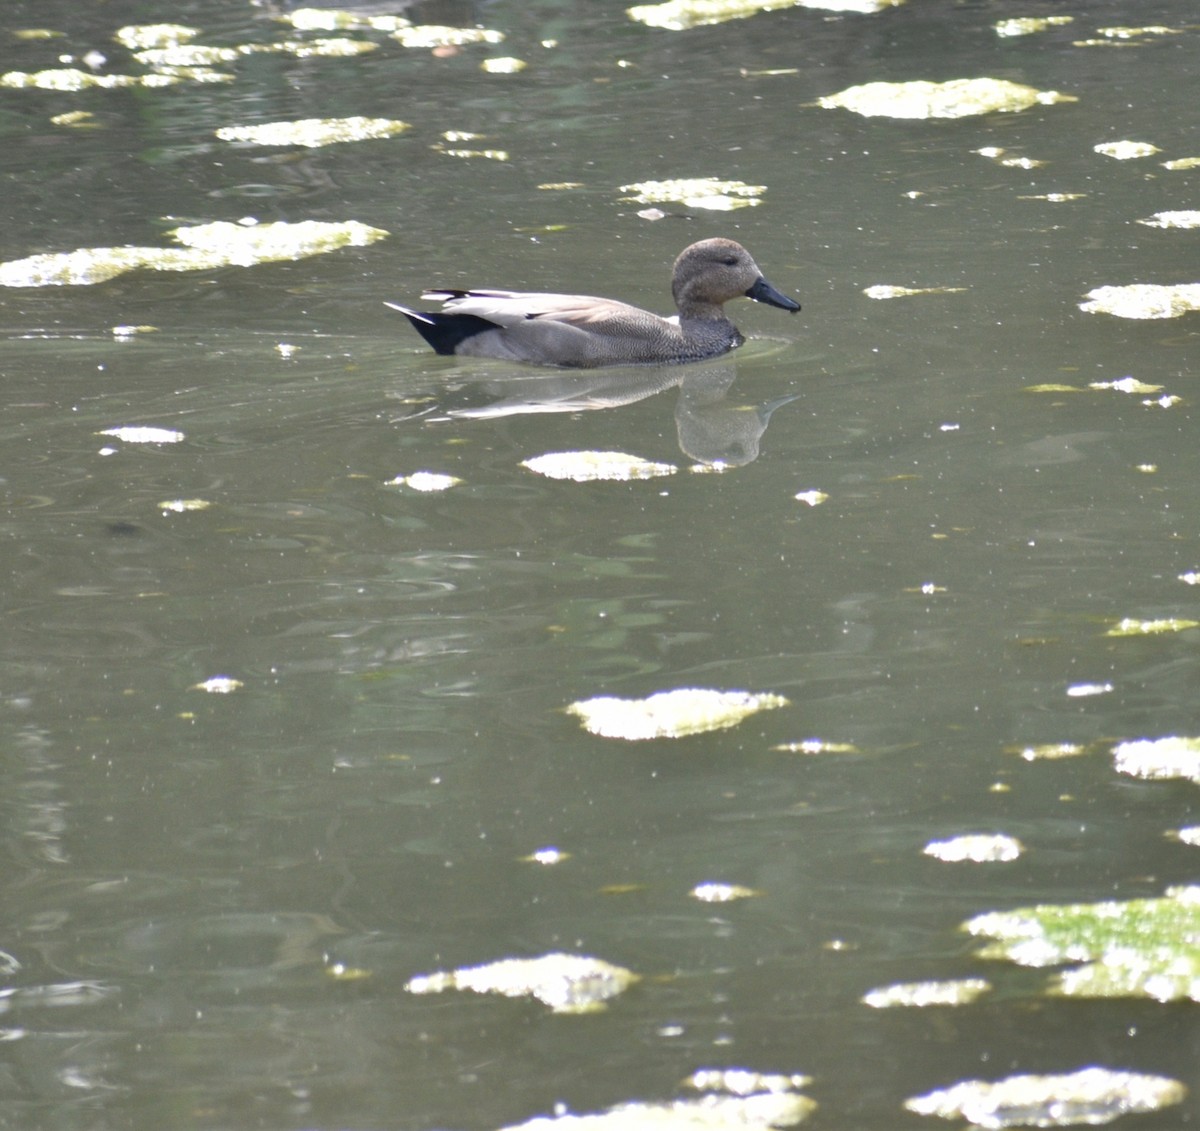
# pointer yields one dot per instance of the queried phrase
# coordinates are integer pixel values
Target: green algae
(313, 133)
(671, 714)
(958, 98)
(206, 246)
(1132, 948)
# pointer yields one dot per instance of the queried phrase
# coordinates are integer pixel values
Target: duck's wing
(515, 308)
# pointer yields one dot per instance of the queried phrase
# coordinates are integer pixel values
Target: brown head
(710, 273)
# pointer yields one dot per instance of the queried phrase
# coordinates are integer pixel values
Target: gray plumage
(582, 331)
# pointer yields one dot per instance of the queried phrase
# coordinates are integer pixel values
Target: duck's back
(579, 330)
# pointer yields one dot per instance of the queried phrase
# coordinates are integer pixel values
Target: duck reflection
(712, 428)
(715, 430)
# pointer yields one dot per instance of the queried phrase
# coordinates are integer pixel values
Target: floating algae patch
(745, 1081)
(312, 133)
(816, 746)
(696, 192)
(183, 506)
(759, 1112)
(547, 856)
(1130, 626)
(206, 246)
(1001, 156)
(425, 481)
(1087, 690)
(143, 434)
(861, 7)
(715, 892)
(1157, 759)
(145, 40)
(567, 983)
(72, 79)
(468, 154)
(1138, 32)
(1185, 218)
(1049, 751)
(402, 30)
(975, 848)
(332, 19)
(189, 55)
(1143, 300)
(586, 466)
(732, 1099)
(218, 685)
(337, 48)
(679, 15)
(431, 35)
(88, 266)
(140, 37)
(958, 98)
(1126, 385)
(247, 244)
(503, 66)
(162, 47)
(1133, 948)
(180, 57)
(170, 76)
(1029, 25)
(885, 290)
(1091, 1096)
(75, 118)
(671, 714)
(918, 995)
(1126, 150)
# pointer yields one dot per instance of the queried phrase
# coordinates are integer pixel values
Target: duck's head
(711, 272)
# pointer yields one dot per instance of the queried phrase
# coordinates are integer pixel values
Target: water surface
(189, 871)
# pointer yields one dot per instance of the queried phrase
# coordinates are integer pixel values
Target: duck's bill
(762, 291)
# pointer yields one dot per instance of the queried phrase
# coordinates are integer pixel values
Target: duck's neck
(702, 312)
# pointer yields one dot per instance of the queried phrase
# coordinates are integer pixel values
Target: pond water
(216, 893)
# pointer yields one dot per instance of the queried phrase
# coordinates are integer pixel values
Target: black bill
(762, 291)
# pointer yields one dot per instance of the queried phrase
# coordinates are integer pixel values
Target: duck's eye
(730, 260)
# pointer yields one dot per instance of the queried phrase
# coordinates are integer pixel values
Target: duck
(585, 332)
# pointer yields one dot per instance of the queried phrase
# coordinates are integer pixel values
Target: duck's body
(581, 331)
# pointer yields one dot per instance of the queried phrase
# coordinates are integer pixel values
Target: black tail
(445, 332)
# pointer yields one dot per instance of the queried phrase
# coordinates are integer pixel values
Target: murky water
(212, 902)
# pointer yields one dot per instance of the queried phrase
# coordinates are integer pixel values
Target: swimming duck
(580, 331)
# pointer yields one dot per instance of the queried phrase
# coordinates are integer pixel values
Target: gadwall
(584, 332)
